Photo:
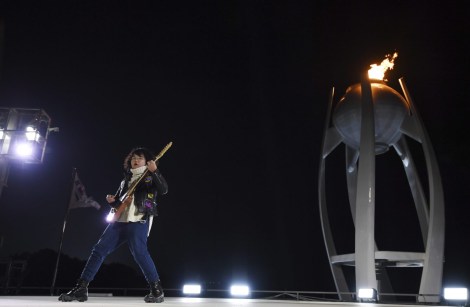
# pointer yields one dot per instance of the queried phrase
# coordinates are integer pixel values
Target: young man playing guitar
(135, 201)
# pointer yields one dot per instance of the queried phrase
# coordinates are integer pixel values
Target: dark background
(241, 89)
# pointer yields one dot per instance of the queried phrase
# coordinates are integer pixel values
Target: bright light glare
(456, 294)
(366, 293)
(192, 289)
(24, 149)
(239, 290)
(110, 216)
(32, 134)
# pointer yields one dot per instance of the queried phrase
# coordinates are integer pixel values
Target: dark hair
(140, 151)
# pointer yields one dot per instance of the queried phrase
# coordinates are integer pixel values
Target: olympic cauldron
(390, 109)
(370, 118)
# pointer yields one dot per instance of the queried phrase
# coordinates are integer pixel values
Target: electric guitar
(126, 199)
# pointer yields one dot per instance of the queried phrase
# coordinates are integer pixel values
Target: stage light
(239, 290)
(18, 126)
(24, 149)
(456, 294)
(32, 134)
(367, 295)
(192, 289)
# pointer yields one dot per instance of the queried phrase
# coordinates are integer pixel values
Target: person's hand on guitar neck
(152, 166)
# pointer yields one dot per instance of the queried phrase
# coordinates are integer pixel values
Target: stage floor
(34, 301)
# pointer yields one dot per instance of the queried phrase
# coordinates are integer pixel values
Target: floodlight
(193, 289)
(367, 295)
(32, 134)
(455, 294)
(23, 125)
(24, 149)
(239, 290)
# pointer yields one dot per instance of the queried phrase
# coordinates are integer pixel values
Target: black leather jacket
(145, 194)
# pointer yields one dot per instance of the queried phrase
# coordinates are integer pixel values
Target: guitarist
(132, 226)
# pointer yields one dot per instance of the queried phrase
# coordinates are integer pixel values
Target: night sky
(241, 89)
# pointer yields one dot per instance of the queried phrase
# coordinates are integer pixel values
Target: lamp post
(23, 138)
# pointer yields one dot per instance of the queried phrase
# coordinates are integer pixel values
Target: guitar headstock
(162, 152)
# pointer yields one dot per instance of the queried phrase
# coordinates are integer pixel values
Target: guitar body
(115, 213)
(127, 201)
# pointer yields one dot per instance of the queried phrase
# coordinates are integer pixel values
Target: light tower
(370, 118)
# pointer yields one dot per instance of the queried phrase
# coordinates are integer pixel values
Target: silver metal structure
(369, 119)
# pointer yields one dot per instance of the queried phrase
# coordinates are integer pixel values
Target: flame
(377, 72)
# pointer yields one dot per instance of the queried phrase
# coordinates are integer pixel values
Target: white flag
(79, 199)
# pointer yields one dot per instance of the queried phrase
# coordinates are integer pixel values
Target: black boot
(156, 293)
(78, 293)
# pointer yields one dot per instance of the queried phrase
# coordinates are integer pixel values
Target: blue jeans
(116, 234)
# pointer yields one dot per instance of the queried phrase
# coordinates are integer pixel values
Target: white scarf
(137, 172)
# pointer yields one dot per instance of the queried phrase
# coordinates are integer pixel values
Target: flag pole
(74, 174)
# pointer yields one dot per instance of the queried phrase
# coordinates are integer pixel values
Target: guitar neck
(162, 152)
